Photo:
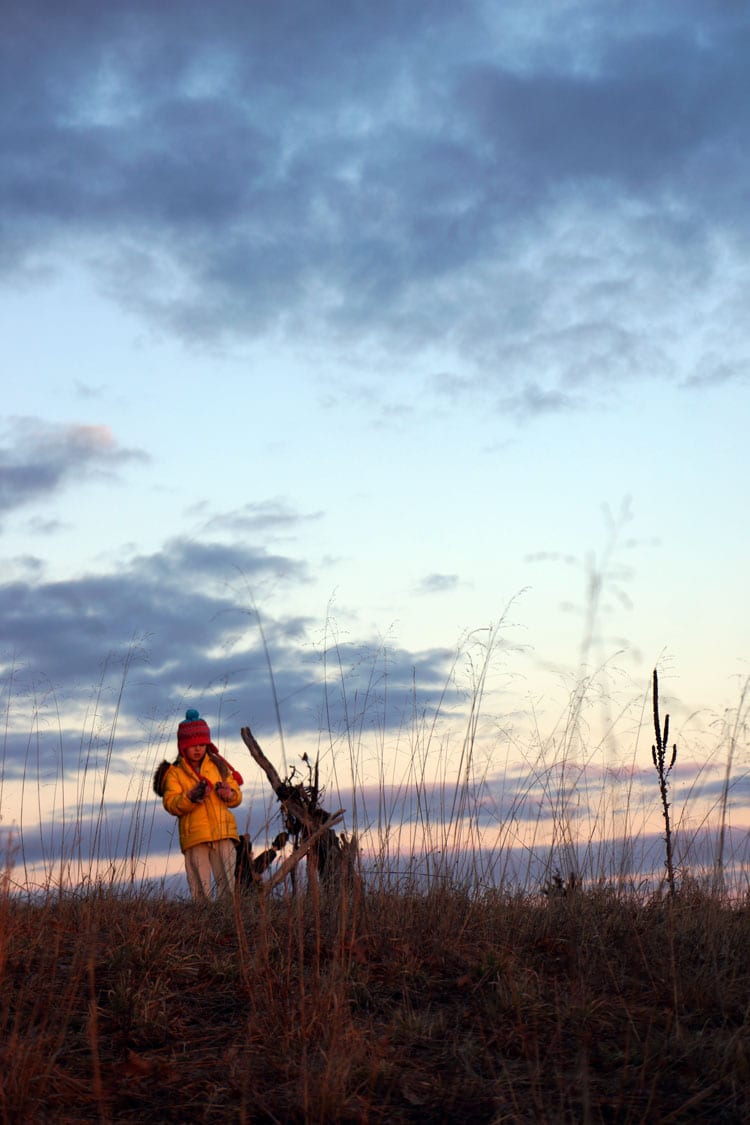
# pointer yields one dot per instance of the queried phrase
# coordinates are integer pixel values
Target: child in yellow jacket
(200, 788)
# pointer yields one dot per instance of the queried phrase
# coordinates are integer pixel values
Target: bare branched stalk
(659, 758)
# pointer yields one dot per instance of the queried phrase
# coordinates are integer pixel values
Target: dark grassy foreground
(386, 1007)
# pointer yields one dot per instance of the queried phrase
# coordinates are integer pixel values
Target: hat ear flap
(224, 767)
(217, 760)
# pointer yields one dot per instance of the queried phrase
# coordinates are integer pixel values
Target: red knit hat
(192, 731)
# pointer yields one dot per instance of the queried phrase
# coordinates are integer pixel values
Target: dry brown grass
(387, 1007)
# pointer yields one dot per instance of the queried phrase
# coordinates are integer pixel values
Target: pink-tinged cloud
(38, 459)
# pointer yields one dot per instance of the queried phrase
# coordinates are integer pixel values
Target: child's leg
(198, 869)
(223, 855)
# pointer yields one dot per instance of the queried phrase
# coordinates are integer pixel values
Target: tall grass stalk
(738, 726)
(659, 752)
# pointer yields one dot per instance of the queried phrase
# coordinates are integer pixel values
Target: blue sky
(383, 318)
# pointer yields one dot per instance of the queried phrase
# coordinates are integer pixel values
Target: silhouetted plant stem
(659, 757)
(734, 734)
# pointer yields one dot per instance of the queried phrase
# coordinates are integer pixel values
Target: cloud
(86, 390)
(111, 833)
(737, 789)
(713, 371)
(38, 525)
(179, 627)
(438, 583)
(180, 596)
(38, 459)
(488, 183)
(267, 516)
(533, 400)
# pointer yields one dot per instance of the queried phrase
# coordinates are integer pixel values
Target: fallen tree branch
(252, 744)
(280, 788)
(299, 853)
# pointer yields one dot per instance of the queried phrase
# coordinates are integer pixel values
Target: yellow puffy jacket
(205, 822)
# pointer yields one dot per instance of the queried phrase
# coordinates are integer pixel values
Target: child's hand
(223, 790)
(198, 793)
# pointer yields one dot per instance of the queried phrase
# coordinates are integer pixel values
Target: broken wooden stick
(299, 853)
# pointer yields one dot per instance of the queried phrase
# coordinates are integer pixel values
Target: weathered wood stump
(310, 826)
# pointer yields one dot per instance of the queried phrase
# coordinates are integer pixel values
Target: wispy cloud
(37, 459)
(267, 516)
(438, 583)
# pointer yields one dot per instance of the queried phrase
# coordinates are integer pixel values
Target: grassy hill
(378, 1005)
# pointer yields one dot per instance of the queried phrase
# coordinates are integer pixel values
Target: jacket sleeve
(175, 799)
